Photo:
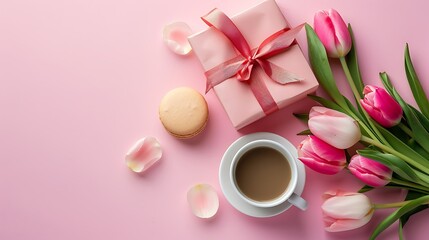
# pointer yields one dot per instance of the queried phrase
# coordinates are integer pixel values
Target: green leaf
(352, 62)
(396, 164)
(359, 114)
(353, 109)
(410, 196)
(416, 87)
(393, 185)
(365, 188)
(399, 213)
(420, 134)
(320, 65)
(424, 177)
(400, 231)
(416, 116)
(422, 118)
(305, 132)
(400, 133)
(418, 161)
(302, 116)
(416, 147)
(386, 82)
(326, 103)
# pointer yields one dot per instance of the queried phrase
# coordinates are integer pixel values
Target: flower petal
(321, 167)
(143, 154)
(376, 167)
(203, 200)
(369, 179)
(339, 225)
(369, 171)
(326, 151)
(340, 132)
(332, 193)
(342, 34)
(391, 109)
(382, 107)
(176, 37)
(332, 32)
(325, 29)
(347, 207)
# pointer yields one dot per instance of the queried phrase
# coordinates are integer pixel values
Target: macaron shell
(183, 112)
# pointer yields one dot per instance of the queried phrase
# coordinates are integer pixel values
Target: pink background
(80, 83)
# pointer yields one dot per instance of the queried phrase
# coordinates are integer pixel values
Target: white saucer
(226, 185)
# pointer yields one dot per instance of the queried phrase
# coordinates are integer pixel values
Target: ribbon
(244, 66)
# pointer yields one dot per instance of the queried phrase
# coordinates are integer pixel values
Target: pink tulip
(333, 33)
(333, 127)
(381, 106)
(320, 156)
(344, 211)
(369, 171)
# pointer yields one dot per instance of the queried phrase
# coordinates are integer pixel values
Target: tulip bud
(369, 171)
(346, 211)
(320, 156)
(333, 33)
(333, 127)
(381, 106)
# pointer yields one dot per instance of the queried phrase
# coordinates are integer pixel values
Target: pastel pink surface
(80, 83)
(256, 23)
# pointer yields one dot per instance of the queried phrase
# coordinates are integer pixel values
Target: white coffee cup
(288, 194)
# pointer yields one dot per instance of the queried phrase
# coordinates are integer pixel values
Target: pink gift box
(212, 48)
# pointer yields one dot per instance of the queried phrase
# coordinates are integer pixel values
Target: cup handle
(298, 201)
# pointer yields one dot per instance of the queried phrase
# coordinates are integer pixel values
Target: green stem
(349, 78)
(363, 125)
(410, 184)
(423, 177)
(394, 152)
(390, 205)
(406, 129)
(420, 201)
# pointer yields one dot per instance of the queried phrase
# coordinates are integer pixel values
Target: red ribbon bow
(243, 66)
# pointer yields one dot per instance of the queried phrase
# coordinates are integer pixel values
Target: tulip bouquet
(392, 137)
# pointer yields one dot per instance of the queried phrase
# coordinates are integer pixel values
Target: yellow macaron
(183, 111)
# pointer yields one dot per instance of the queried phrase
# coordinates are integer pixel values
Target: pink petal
(318, 111)
(325, 30)
(381, 106)
(390, 108)
(367, 104)
(320, 156)
(376, 114)
(143, 154)
(340, 132)
(326, 151)
(321, 167)
(347, 207)
(203, 200)
(339, 225)
(342, 34)
(332, 193)
(176, 37)
(370, 179)
(376, 167)
(369, 171)
(344, 211)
